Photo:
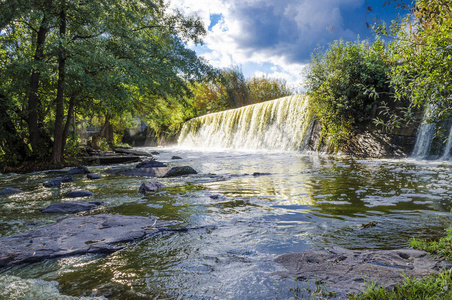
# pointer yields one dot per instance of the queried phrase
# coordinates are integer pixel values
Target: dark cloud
(293, 28)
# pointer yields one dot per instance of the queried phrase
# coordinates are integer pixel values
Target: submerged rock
(348, 271)
(149, 187)
(160, 172)
(78, 170)
(93, 176)
(78, 194)
(77, 236)
(10, 191)
(176, 157)
(56, 182)
(71, 207)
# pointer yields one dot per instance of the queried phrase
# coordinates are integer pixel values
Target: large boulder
(150, 187)
(56, 182)
(131, 151)
(349, 271)
(71, 207)
(9, 191)
(78, 194)
(77, 236)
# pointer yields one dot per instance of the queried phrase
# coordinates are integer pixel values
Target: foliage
(431, 287)
(346, 84)
(422, 55)
(264, 88)
(61, 58)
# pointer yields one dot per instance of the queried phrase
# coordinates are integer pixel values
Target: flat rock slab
(78, 194)
(111, 159)
(132, 151)
(160, 172)
(348, 271)
(71, 207)
(76, 236)
(9, 191)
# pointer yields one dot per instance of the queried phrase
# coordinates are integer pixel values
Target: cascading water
(279, 124)
(447, 152)
(425, 134)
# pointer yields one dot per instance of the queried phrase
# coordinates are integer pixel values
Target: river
(248, 208)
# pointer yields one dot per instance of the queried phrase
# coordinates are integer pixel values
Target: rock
(176, 157)
(155, 153)
(110, 159)
(154, 172)
(180, 171)
(349, 271)
(78, 194)
(78, 170)
(150, 164)
(255, 174)
(93, 176)
(56, 182)
(71, 207)
(9, 191)
(149, 187)
(101, 233)
(132, 152)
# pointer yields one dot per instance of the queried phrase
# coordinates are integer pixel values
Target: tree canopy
(64, 57)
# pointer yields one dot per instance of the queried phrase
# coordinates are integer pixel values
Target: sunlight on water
(247, 208)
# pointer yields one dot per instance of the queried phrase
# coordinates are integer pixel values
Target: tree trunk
(33, 99)
(59, 113)
(70, 113)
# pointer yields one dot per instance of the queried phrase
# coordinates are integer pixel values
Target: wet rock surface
(93, 176)
(56, 182)
(78, 194)
(71, 207)
(160, 172)
(150, 187)
(10, 191)
(131, 151)
(348, 271)
(78, 170)
(150, 164)
(76, 236)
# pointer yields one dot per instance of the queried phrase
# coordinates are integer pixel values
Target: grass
(430, 287)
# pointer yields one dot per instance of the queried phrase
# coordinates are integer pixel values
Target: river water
(248, 208)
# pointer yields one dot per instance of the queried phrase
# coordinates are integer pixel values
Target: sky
(276, 37)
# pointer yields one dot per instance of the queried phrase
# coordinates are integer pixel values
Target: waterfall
(425, 134)
(424, 140)
(447, 152)
(279, 124)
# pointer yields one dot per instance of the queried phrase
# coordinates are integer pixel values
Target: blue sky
(277, 37)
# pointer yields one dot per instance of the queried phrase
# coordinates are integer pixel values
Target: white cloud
(268, 32)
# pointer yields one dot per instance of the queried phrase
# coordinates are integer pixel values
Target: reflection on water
(248, 207)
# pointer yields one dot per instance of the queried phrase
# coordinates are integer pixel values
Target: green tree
(90, 57)
(422, 55)
(346, 84)
(265, 88)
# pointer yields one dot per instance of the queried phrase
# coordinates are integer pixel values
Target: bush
(346, 84)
